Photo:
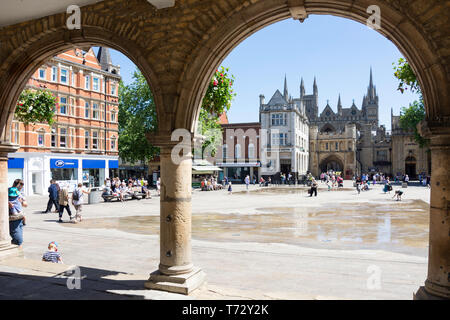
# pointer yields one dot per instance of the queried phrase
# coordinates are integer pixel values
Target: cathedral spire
(285, 93)
(371, 78)
(339, 105)
(316, 91)
(302, 88)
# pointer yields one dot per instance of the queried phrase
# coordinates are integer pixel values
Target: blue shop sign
(63, 163)
(15, 163)
(94, 164)
(113, 164)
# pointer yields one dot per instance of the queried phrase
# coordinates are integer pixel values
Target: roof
(277, 99)
(223, 119)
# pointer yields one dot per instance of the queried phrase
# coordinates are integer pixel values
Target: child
(52, 255)
(398, 194)
(230, 189)
(15, 209)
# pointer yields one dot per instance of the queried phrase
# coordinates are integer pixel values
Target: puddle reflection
(403, 224)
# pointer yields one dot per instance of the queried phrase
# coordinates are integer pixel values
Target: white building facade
(285, 146)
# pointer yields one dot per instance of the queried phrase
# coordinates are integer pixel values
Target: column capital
(172, 139)
(6, 148)
(437, 126)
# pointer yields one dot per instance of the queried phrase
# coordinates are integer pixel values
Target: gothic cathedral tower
(370, 103)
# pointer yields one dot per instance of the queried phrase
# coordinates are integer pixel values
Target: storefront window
(93, 177)
(64, 174)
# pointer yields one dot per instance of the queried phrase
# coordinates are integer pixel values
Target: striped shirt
(51, 256)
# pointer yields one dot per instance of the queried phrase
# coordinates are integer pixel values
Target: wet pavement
(393, 226)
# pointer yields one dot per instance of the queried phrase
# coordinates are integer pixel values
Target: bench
(137, 194)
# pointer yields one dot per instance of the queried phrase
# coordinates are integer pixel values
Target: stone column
(6, 248)
(176, 272)
(437, 285)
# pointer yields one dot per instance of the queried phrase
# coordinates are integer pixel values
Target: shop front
(93, 173)
(237, 171)
(113, 166)
(65, 172)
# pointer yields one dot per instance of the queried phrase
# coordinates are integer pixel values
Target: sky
(338, 52)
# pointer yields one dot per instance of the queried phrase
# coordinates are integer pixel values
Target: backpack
(76, 195)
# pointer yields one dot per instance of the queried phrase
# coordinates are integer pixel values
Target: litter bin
(95, 196)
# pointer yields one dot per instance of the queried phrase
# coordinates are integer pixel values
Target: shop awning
(205, 169)
(238, 164)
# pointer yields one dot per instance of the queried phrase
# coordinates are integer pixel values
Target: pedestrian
(53, 197)
(16, 215)
(52, 255)
(358, 184)
(247, 181)
(230, 189)
(313, 187)
(158, 186)
(146, 190)
(63, 196)
(77, 200)
(398, 194)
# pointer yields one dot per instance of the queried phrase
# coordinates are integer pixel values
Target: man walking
(53, 197)
(247, 181)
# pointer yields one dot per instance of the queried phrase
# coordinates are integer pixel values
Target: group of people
(332, 179)
(210, 184)
(61, 199)
(120, 189)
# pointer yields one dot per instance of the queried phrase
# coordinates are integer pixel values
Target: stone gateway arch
(178, 45)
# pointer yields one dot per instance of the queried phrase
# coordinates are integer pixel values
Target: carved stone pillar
(437, 285)
(176, 272)
(6, 248)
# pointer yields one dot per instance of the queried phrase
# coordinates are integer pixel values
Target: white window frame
(61, 137)
(87, 107)
(113, 89)
(95, 140)
(61, 76)
(63, 104)
(95, 111)
(40, 133)
(94, 87)
(87, 82)
(45, 74)
(54, 74)
(87, 138)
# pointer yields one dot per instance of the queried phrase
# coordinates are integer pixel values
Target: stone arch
(333, 162)
(401, 25)
(22, 62)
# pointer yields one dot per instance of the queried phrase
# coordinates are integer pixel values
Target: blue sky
(338, 51)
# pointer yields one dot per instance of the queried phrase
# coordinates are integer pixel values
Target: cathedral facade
(348, 140)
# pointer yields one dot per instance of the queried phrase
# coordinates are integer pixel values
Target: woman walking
(77, 200)
(16, 203)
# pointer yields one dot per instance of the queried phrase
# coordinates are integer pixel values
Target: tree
(36, 106)
(410, 116)
(137, 115)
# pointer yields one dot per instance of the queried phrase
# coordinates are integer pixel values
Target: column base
(183, 283)
(423, 294)
(10, 251)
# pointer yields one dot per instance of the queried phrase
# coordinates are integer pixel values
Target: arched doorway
(410, 167)
(332, 163)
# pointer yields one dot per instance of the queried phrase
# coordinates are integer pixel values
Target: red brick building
(82, 144)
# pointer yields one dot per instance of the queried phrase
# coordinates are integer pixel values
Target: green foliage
(405, 74)
(410, 116)
(36, 107)
(217, 101)
(137, 115)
